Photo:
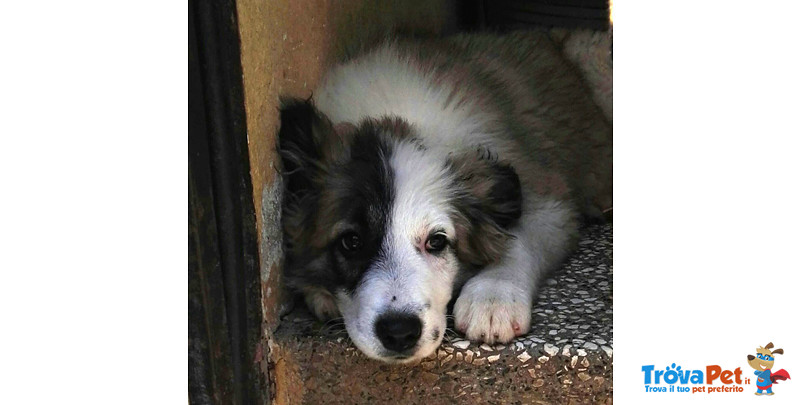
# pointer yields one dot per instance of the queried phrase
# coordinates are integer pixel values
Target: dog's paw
(492, 311)
(321, 303)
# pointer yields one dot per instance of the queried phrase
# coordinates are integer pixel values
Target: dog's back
(515, 94)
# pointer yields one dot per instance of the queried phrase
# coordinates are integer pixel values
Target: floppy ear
(488, 203)
(777, 351)
(307, 142)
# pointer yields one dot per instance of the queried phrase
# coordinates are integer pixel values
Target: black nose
(398, 332)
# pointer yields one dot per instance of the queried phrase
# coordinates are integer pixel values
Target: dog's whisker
(339, 319)
(336, 327)
(333, 326)
(331, 330)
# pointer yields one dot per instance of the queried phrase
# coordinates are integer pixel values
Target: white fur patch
(386, 83)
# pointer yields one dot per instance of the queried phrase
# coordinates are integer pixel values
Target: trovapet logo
(715, 378)
(675, 379)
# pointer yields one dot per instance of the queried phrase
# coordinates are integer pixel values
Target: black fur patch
(332, 178)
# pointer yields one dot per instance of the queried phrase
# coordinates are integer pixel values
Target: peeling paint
(271, 235)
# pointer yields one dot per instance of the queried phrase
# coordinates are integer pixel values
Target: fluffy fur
(422, 168)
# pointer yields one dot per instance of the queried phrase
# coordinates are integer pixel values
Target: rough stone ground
(566, 358)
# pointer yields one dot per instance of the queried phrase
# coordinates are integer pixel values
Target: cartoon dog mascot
(762, 362)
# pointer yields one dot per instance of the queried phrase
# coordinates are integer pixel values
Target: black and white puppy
(421, 169)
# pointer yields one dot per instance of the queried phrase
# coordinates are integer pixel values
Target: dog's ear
(488, 202)
(777, 351)
(307, 143)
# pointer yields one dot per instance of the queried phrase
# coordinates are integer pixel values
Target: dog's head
(764, 358)
(385, 225)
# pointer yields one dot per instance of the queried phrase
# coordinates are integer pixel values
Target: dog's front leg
(495, 305)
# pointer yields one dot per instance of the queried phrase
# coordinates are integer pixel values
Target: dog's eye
(350, 242)
(436, 242)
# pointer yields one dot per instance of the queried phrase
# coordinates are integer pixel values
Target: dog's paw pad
(492, 311)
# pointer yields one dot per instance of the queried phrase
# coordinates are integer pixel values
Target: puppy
(420, 169)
